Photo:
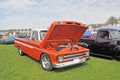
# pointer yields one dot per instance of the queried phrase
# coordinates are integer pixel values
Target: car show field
(59, 40)
(15, 67)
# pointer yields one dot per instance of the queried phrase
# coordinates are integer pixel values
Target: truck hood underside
(71, 32)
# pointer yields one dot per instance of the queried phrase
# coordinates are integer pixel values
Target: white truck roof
(39, 29)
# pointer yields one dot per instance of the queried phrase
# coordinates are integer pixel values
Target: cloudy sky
(16, 14)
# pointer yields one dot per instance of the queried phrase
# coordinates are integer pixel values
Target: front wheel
(46, 62)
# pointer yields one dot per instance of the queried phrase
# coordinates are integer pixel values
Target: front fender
(117, 49)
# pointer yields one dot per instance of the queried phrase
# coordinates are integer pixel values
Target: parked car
(3, 35)
(24, 35)
(8, 40)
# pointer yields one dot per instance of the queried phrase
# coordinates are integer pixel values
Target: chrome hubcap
(46, 62)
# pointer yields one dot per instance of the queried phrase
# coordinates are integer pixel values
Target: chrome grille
(72, 56)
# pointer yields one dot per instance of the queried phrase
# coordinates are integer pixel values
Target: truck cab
(38, 34)
(106, 40)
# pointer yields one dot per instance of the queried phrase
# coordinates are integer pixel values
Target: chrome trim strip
(74, 55)
(29, 46)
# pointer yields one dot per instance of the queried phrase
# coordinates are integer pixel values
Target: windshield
(115, 34)
(42, 34)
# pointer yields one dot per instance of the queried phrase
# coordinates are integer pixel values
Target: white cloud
(31, 13)
(17, 4)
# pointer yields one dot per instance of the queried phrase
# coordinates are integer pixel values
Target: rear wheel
(20, 51)
(118, 55)
(46, 62)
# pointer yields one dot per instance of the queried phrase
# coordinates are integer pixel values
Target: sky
(18, 14)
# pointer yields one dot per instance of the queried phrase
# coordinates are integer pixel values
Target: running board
(118, 58)
(101, 55)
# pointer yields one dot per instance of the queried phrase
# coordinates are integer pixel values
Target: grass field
(15, 67)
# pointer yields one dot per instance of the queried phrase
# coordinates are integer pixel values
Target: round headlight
(87, 53)
(60, 58)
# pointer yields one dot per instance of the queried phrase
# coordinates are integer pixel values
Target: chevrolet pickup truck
(106, 44)
(55, 48)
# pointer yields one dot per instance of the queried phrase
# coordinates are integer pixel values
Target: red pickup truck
(55, 48)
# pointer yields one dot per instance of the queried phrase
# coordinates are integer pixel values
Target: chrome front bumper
(70, 63)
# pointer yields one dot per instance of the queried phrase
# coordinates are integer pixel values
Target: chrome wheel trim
(46, 62)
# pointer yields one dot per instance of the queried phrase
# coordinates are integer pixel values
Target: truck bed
(20, 40)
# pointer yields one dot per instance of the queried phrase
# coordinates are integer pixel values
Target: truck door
(34, 44)
(102, 43)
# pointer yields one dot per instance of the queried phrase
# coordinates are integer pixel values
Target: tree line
(110, 21)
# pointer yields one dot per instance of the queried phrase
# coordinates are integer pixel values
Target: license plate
(77, 60)
(82, 60)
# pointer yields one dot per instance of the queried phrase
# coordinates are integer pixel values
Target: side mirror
(33, 38)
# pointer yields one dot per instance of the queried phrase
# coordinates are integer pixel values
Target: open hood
(65, 30)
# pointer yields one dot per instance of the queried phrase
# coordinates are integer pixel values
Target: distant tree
(104, 24)
(96, 25)
(93, 25)
(99, 25)
(112, 21)
(30, 29)
(18, 29)
(22, 29)
(119, 19)
(25, 29)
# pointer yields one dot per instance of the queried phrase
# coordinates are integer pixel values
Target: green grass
(15, 67)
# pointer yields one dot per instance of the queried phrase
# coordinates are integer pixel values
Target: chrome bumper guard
(70, 63)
